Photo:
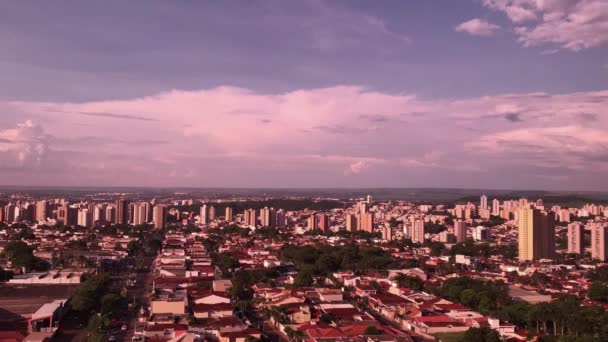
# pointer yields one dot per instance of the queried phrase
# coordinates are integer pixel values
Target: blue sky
(305, 93)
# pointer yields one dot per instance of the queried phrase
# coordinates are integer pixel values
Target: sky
(501, 94)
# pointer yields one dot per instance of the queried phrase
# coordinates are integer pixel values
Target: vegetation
(22, 255)
(324, 260)
(483, 334)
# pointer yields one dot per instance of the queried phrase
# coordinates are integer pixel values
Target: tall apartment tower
(312, 222)
(418, 231)
(324, 222)
(599, 242)
(229, 213)
(122, 211)
(280, 217)
(250, 217)
(211, 213)
(366, 222)
(460, 230)
(159, 216)
(41, 210)
(204, 215)
(536, 234)
(576, 238)
(387, 233)
(495, 207)
(351, 222)
(268, 217)
(140, 213)
(483, 203)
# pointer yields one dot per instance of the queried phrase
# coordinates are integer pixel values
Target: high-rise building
(387, 233)
(599, 241)
(159, 216)
(564, 215)
(268, 217)
(576, 238)
(418, 231)
(204, 215)
(324, 222)
(122, 211)
(369, 199)
(41, 210)
(211, 213)
(312, 222)
(460, 230)
(99, 214)
(229, 214)
(366, 222)
(280, 218)
(351, 222)
(480, 233)
(447, 237)
(483, 202)
(110, 214)
(536, 234)
(85, 218)
(250, 217)
(9, 213)
(140, 213)
(495, 207)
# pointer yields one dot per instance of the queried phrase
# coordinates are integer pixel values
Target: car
(123, 328)
(137, 338)
(112, 338)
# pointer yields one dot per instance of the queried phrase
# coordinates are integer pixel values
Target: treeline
(285, 204)
(323, 260)
(563, 319)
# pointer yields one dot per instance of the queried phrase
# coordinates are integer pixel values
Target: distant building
(85, 218)
(480, 233)
(460, 230)
(366, 222)
(250, 217)
(159, 216)
(312, 222)
(598, 241)
(268, 217)
(228, 214)
(576, 238)
(495, 207)
(211, 213)
(418, 231)
(204, 215)
(351, 222)
(122, 211)
(483, 202)
(41, 210)
(536, 234)
(324, 222)
(387, 233)
(280, 218)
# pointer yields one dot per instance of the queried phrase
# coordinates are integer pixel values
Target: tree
(304, 277)
(372, 330)
(88, 295)
(411, 282)
(483, 334)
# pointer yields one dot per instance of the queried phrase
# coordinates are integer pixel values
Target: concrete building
(159, 216)
(229, 213)
(312, 222)
(280, 218)
(387, 233)
(576, 238)
(536, 234)
(41, 211)
(483, 202)
(268, 217)
(495, 207)
(418, 231)
(351, 222)
(122, 211)
(366, 222)
(324, 222)
(250, 217)
(460, 230)
(480, 233)
(85, 218)
(204, 215)
(598, 241)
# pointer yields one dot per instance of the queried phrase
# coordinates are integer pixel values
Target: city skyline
(483, 94)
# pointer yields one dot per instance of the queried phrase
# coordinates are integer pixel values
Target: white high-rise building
(495, 207)
(483, 202)
(85, 218)
(418, 231)
(204, 215)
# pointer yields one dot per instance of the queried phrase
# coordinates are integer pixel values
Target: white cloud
(22, 146)
(570, 24)
(222, 133)
(477, 27)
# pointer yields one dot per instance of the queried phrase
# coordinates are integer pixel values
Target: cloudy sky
(433, 93)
